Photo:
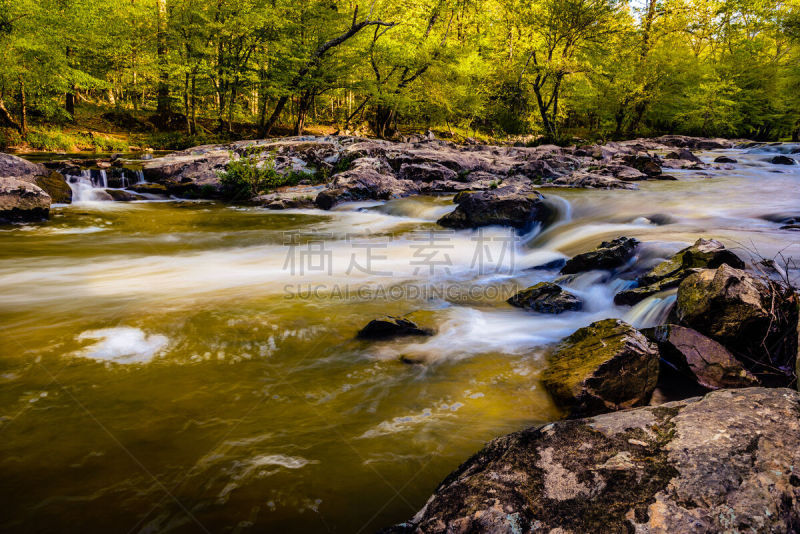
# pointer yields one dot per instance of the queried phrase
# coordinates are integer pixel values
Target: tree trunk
(23, 108)
(69, 100)
(384, 115)
(795, 133)
(274, 117)
(194, 99)
(6, 117)
(162, 108)
(186, 109)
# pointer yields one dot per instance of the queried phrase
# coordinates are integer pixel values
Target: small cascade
(90, 184)
(652, 311)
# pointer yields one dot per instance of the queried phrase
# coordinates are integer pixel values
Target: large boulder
(710, 364)
(726, 304)
(704, 253)
(22, 201)
(683, 154)
(546, 297)
(608, 255)
(505, 206)
(755, 318)
(367, 179)
(592, 180)
(608, 365)
(725, 462)
(199, 165)
(15, 167)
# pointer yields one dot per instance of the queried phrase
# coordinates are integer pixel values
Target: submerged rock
(390, 327)
(120, 195)
(584, 179)
(606, 366)
(22, 201)
(704, 253)
(782, 160)
(706, 361)
(724, 462)
(546, 297)
(724, 159)
(608, 255)
(506, 206)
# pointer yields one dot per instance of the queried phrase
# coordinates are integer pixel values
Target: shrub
(247, 177)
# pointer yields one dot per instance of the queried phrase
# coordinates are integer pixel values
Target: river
(189, 366)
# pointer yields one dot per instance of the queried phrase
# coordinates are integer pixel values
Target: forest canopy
(550, 68)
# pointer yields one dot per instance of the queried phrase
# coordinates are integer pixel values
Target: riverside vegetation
(176, 73)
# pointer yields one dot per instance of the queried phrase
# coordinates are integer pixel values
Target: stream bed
(187, 366)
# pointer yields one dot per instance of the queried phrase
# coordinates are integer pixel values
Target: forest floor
(93, 130)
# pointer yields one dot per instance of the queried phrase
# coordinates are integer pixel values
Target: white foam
(122, 345)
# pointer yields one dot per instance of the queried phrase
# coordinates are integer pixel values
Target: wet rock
(724, 462)
(505, 206)
(147, 187)
(390, 327)
(546, 297)
(708, 363)
(683, 154)
(724, 159)
(120, 195)
(583, 179)
(782, 160)
(536, 170)
(22, 201)
(606, 366)
(56, 186)
(550, 265)
(608, 255)
(693, 143)
(367, 179)
(704, 253)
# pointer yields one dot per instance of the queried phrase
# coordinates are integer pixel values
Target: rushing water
(166, 366)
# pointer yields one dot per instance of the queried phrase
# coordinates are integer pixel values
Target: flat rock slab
(725, 462)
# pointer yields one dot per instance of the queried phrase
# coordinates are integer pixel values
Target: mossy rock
(606, 366)
(546, 297)
(56, 186)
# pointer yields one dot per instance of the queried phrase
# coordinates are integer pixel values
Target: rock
(683, 154)
(706, 361)
(56, 186)
(367, 179)
(583, 179)
(608, 255)
(756, 322)
(726, 304)
(725, 462)
(644, 162)
(15, 167)
(390, 327)
(553, 265)
(22, 201)
(783, 218)
(120, 195)
(505, 206)
(147, 187)
(426, 172)
(724, 159)
(195, 164)
(782, 160)
(546, 297)
(705, 253)
(693, 143)
(608, 365)
(536, 170)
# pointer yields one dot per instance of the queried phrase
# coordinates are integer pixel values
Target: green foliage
(598, 69)
(247, 177)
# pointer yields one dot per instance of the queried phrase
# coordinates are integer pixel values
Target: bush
(247, 177)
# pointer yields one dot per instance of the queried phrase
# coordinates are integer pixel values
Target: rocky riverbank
(718, 463)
